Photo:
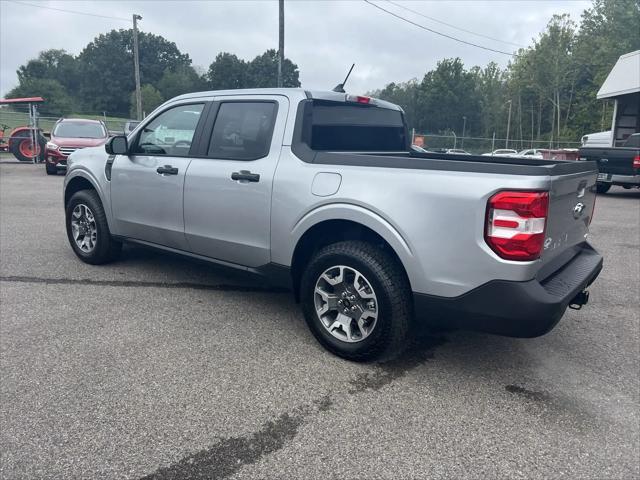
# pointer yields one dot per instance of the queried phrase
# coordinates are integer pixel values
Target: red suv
(70, 134)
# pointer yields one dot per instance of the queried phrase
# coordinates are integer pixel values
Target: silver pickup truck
(320, 191)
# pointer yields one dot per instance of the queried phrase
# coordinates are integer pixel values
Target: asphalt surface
(159, 367)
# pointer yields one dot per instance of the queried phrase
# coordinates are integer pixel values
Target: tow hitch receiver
(579, 300)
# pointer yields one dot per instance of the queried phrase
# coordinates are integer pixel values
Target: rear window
(352, 127)
(243, 130)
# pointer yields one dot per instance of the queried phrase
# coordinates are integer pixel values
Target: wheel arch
(79, 180)
(347, 222)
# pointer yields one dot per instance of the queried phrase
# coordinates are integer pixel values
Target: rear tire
(18, 149)
(603, 187)
(88, 231)
(382, 276)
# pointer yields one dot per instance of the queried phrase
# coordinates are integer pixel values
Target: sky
(322, 37)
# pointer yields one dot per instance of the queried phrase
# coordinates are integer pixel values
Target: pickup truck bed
(454, 163)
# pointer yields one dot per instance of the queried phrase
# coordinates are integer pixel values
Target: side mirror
(117, 145)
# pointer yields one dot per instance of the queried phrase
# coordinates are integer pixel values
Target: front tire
(603, 187)
(357, 301)
(88, 231)
(51, 169)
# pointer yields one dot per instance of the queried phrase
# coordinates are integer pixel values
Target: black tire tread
(393, 279)
(107, 248)
(603, 187)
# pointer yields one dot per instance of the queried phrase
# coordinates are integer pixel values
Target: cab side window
(170, 133)
(243, 130)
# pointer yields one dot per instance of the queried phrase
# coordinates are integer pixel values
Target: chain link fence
(16, 117)
(479, 145)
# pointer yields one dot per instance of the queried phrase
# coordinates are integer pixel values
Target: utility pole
(280, 43)
(464, 126)
(506, 143)
(136, 63)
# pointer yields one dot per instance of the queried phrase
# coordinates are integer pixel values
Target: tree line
(101, 78)
(549, 86)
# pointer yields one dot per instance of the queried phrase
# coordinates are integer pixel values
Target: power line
(453, 26)
(439, 33)
(26, 4)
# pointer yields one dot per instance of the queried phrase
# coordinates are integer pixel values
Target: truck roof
(327, 95)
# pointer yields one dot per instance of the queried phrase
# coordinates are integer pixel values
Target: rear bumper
(631, 180)
(622, 180)
(515, 309)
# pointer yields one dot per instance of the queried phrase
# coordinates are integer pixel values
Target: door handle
(245, 175)
(167, 170)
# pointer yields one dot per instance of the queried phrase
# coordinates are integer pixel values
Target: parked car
(501, 152)
(458, 151)
(598, 139)
(278, 182)
(570, 154)
(438, 150)
(419, 149)
(130, 126)
(529, 153)
(616, 165)
(69, 135)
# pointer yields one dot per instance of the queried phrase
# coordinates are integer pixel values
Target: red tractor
(27, 143)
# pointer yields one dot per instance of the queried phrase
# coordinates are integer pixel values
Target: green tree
(53, 65)
(106, 67)
(177, 82)
(608, 29)
(151, 99)
(490, 92)
(262, 71)
(57, 100)
(446, 95)
(227, 72)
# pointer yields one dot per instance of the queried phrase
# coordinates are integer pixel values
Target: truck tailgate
(571, 205)
(616, 161)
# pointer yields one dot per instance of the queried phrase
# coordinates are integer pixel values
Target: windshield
(79, 130)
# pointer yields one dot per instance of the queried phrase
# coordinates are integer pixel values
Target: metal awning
(624, 77)
(21, 100)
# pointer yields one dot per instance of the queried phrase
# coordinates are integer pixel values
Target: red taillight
(516, 223)
(636, 162)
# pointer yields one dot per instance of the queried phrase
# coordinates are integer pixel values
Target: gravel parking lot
(160, 367)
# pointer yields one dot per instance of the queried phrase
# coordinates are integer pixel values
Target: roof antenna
(340, 87)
